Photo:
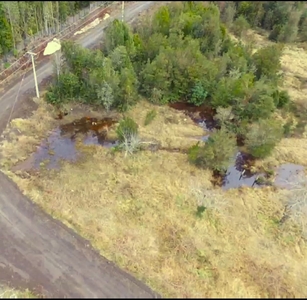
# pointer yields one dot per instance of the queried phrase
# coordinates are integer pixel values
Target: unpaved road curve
(40, 253)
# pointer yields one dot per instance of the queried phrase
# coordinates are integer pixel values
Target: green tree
(120, 58)
(198, 94)
(240, 26)
(262, 137)
(66, 89)
(162, 20)
(105, 96)
(228, 13)
(6, 38)
(155, 77)
(217, 153)
(267, 61)
(127, 93)
(118, 34)
(289, 31)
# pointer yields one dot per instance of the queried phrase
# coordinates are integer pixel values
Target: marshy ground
(158, 216)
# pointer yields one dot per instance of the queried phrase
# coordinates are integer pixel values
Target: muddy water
(61, 143)
(239, 174)
(202, 115)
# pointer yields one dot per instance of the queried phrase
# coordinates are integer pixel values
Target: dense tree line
(19, 19)
(183, 53)
(285, 21)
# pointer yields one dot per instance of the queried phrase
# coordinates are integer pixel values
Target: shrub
(150, 117)
(263, 136)
(217, 153)
(126, 128)
(267, 61)
(240, 26)
(127, 133)
(281, 98)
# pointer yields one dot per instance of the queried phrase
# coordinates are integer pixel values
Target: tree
(198, 94)
(261, 107)
(224, 116)
(127, 93)
(6, 37)
(162, 20)
(118, 34)
(240, 26)
(155, 75)
(105, 96)
(262, 137)
(289, 31)
(120, 58)
(217, 153)
(267, 61)
(228, 13)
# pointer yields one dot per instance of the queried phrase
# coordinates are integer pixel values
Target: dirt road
(40, 253)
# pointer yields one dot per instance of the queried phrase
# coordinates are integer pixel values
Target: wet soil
(202, 115)
(287, 175)
(61, 143)
(239, 174)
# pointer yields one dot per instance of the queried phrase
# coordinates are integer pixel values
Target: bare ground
(40, 253)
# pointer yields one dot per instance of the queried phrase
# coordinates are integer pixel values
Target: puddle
(287, 174)
(86, 124)
(61, 143)
(238, 175)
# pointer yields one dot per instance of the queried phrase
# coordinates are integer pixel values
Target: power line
(13, 107)
(59, 34)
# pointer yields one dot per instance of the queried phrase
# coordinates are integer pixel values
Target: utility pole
(34, 73)
(123, 11)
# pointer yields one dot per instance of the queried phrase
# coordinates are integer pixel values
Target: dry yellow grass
(140, 212)
(294, 71)
(6, 292)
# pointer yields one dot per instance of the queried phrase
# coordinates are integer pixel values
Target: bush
(217, 153)
(267, 61)
(126, 129)
(150, 117)
(281, 98)
(127, 133)
(240, 26)
(263, 136)
(198, 94)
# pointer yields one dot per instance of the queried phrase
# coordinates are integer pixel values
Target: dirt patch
(52, 260)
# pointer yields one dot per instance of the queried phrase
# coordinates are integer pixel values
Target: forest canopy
(19, 19)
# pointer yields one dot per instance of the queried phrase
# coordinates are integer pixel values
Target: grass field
(140, 211)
